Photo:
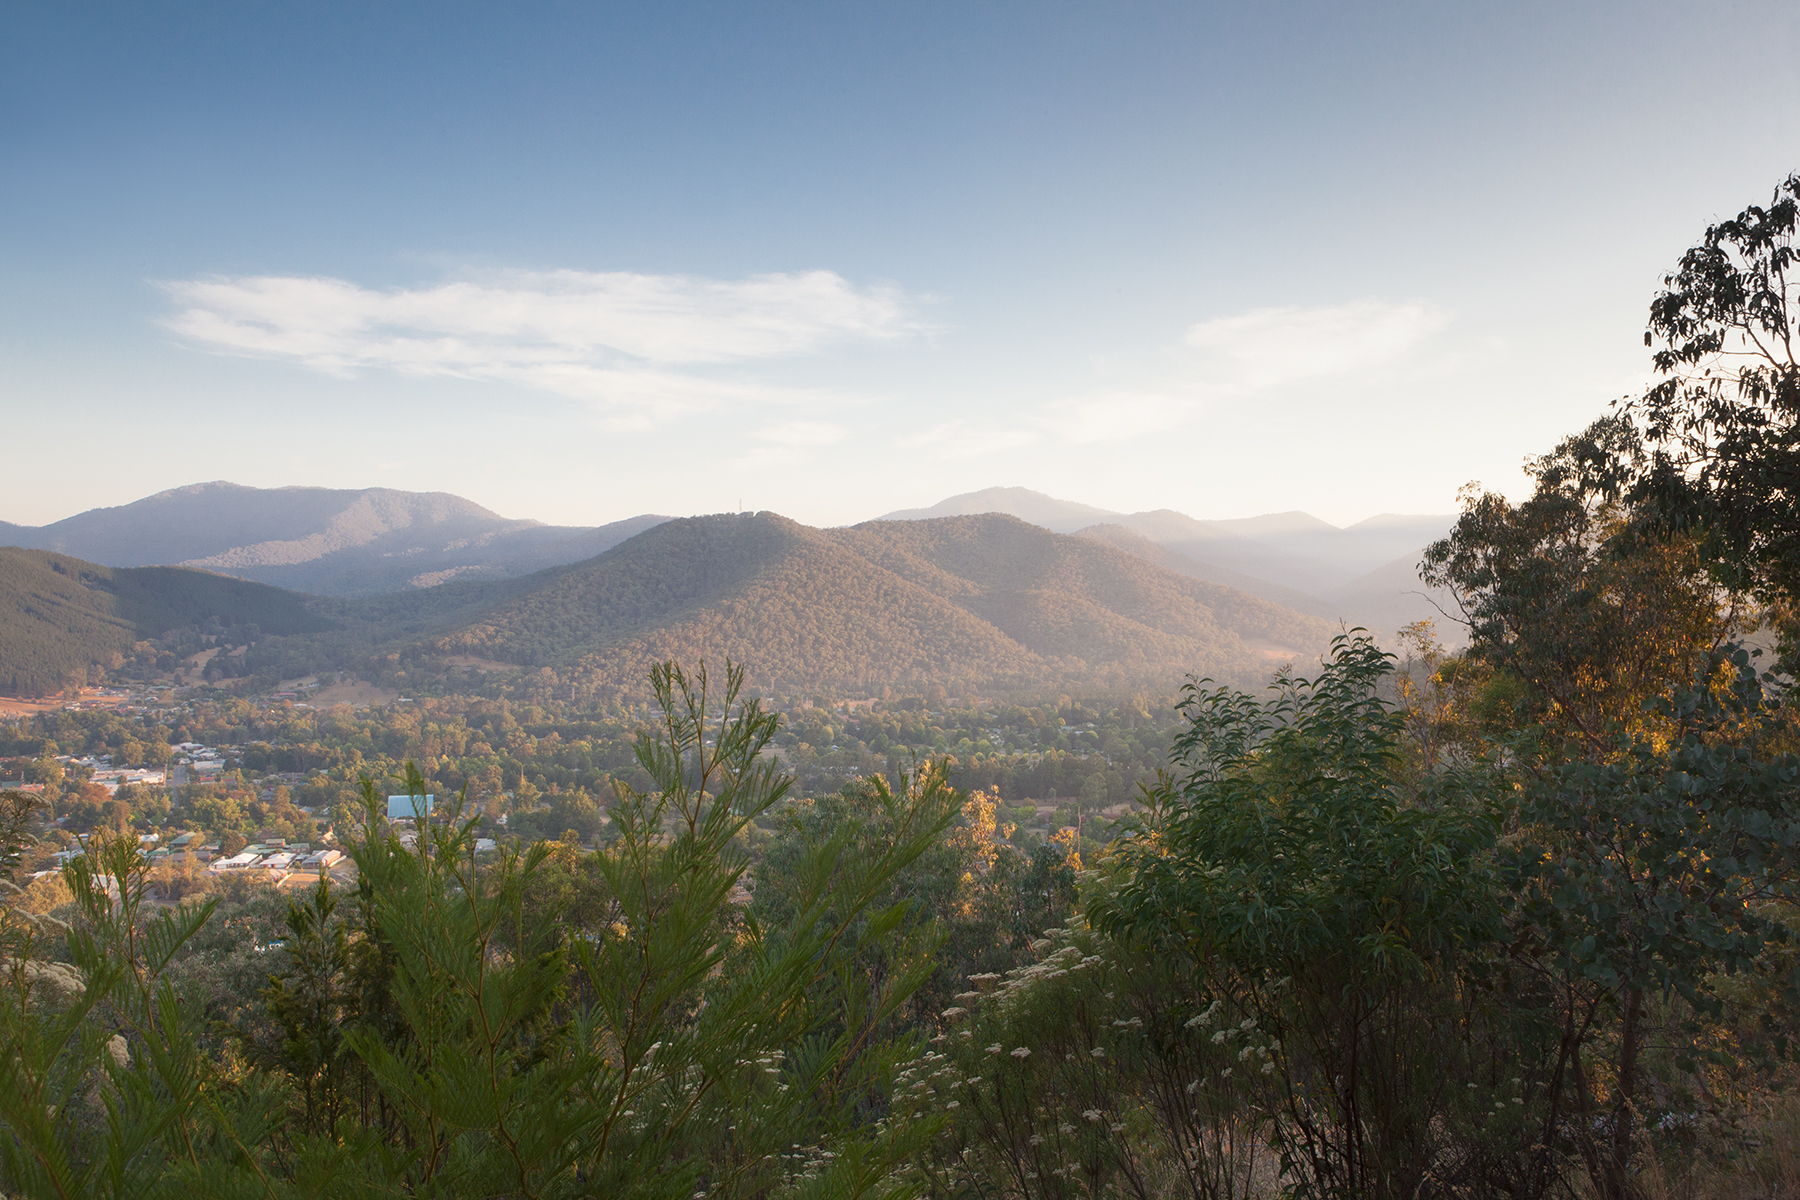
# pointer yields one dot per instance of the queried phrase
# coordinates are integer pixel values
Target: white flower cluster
(1203, 1019)
(924, 1082)
(1056, 964)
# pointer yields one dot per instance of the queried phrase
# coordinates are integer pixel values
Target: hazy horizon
(604, 518)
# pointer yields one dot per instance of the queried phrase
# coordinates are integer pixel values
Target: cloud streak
(1120, 416)
(1273, 347)
(644, 346)
(790, 442)
(1245, 356)
(958, 439)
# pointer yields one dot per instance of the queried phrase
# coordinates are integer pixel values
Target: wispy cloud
(1119, 416)
(1271, 347)
(649, 345)
(1248, 354)
(790, 442)
(958, 439)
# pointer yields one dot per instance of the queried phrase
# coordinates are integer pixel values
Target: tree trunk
(1617, 1185)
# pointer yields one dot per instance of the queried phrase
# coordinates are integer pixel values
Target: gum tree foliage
(1659, 870)
(1313, 946)
(1325, 908)
(1723, 422)
(674, 1047)
(1585, 622)
(1654, 849)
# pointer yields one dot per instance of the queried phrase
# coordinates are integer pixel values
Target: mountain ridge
(327, 541)
(984, 604)
(988, 601)
(1361, 574)
(375, 542)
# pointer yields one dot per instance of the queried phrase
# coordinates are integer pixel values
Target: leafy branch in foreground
(1324, 908)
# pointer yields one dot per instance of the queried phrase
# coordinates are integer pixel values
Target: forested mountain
(975, 604)
(1363, 574)
(367, 542)
(60, 616)
(324, 540)
(971, 603)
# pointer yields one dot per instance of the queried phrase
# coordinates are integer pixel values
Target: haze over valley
(991, 592)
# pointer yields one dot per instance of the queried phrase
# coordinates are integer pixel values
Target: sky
(581, 261)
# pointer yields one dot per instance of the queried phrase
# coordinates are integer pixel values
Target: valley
(998, 592)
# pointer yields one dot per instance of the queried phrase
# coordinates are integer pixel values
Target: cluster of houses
(194, 763)
(199, 763)
(101, 771)
(404, 813)
(275, 858)
(113, 778)
(278, 857)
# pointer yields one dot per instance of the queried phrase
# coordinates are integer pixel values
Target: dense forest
(1513, 921)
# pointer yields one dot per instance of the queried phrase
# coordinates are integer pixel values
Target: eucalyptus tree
(1723, 419)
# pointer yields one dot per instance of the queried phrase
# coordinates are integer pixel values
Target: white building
(237, 862)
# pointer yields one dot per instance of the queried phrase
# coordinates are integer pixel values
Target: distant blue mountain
(329, 541)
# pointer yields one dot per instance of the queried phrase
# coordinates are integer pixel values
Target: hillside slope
(1361, 574)
(1135, 543)
(1060, 593)
(60, 615)
(1393, 595)
(327, 541)
(800, 611)
(976, 603)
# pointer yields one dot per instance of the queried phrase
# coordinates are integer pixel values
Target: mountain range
(982, 605)
(373, 541)
(1364, 574)
(977, 603)
(328, 541)
(1004, 589)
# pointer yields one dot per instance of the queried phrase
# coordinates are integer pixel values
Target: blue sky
(582, 261)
